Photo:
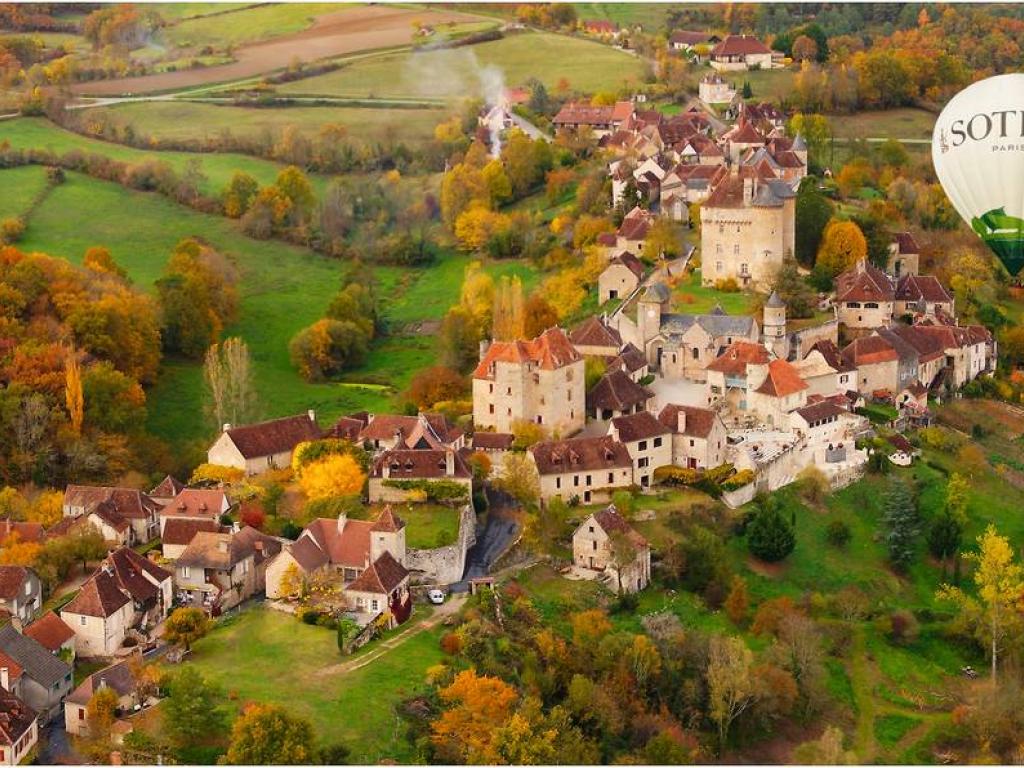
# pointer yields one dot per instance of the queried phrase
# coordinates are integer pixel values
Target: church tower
(773, 328)
(652, 305)
(388, 535)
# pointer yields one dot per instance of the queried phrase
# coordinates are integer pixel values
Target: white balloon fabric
(978, 152)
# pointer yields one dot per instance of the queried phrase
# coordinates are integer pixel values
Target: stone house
(631, 361)
(747, 229)
(617, 394)
(877, 364)
(923, 296)
(382, 588)
(400, 475)
(347, 548)
(116, 530)
(590, 468)
(178, 534)
(255, 448)
(605, 542)
(494, 445)
(904, 256)
(779, 393)
(687, 40)
(118, 678)
(128, 593)
(846, 372)
(540, 381)
(50, 631)
(386, 432)
(217, 571)
(632, 233)
(742, 52)
(620, 278)
(715, 90)
(128, 504)
(970, 351)
(821, 378)
(166, 490)
(740, 368)
(648, 441)
(19, 729)
(21, 592)
(44, 679)
(698, 436)
(865, 298)
(601, 120)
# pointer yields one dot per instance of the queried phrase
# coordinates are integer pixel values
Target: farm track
(355, 29)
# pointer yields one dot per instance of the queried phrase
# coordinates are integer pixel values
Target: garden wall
(444, 565)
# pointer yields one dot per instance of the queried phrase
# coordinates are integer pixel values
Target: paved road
(492, 539)
(55, 747)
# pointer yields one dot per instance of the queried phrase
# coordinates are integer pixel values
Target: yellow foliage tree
(47, 508)
(478, 705)
(477, 296)
(565, 291)
(476, 225)
(842, 246)
(217, 473)
(507, 320)
(18, 552)
(73, 397)
(335, 475)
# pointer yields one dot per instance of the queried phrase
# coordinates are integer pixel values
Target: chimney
(748, 189)
(226, 427)
(449, 463)
(312, 415)
(681, 421)
(484, 346)
(5, 678)
(222, 545)
(103, 683)
(115, 758)
(342, 519)
(235, 527)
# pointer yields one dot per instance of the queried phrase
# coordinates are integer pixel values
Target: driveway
(492, 540)
(54, 745)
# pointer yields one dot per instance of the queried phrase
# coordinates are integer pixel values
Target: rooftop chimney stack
(681, 421)
(226, 428)
(342, 519)
(312, 415)
(449, 463)
(5, 678)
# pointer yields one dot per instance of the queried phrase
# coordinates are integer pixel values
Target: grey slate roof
(657, 292)
(775, 301)
(37, 662)
(715, 324)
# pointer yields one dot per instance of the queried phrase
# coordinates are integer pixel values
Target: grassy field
(267, 656)
(20, 188)
(693, 298)
(586, 65)
(283, 288)
(903, 123)
(192, 121)
(766, 84)
(247, 25)
(218, 168)
(427, 525)
(652, 16)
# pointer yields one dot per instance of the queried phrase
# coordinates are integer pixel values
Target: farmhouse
(741, 52)
(383, 588)
(21, 592)
(648, 442)
(195, 504)
(620, 278)
(589, 468)
(698, 435)
(217, 571)
(256, 448)
(606, 543)
(118, 678)
(405, 475)
(540, 381)
(129, 512)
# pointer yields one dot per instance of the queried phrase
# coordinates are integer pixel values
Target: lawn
(248, 24)
(218, 168)
(426, 525)
(652, 16)
(587, 66)
(766, 84)
(904, 123)
(283, 288)
(693, 298)
(267, 656)
(192, 121)
(21, 186)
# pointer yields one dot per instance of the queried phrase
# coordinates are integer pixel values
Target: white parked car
(436, 596)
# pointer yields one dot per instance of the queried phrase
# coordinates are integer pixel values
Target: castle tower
(773, 328)
(649, 309)
(388, 535)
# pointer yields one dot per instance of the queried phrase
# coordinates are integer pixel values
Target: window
(871, 305)
(490, 408)
(568, 395)
(696, 354)
(589, 481)
(691, 443)
(718, 266)
(508, 390)
(185, 572)
(736, 249)
(590, 528)
(81, 620)
(81, 713)
(657, 442)
(718, 248)
(558, 482)
(490, 388)
(642, 463)
(576, 481)
(594, 543)
(643, 445)
(744, 269)
(374, 605)
(28, 587)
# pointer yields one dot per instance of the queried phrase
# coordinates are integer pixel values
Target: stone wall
(800, 342)
(444, 565)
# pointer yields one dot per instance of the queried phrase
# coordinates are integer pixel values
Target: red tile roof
(549, 351)
(686, 37)
(349, 547)
(384, 575)
(905, 243)
(638, 426)
(427, 464)
(922, 288)
(612, 522)
(276, 436)
(699, 421)
(579, 455)
(739, 45)
(180, 531)
(16, 718)
(50, 631)
(168, 488)
(12, 580)
(99, 596)
(388, 521)
(493, 441)
(737, 356)
(782, 380)
(864, 282)
(33, 532)
(128, 502)
(870, 350)
(617, 391)
(583, 114)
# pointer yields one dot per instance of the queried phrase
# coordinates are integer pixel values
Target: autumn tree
(518, 479)
(737, 603)
(842, 246)
(101, 711)
(508, 318)
(73, 398)
(326, 348)
(332, 476)
(231, 392)
(731, 687)
(664, 239)
(267, 734)
(994, 615)
(114, 402)
(185, 626)
(239, 194)
(476, 706)
(436, 384)
(100, 261)
(295, 187)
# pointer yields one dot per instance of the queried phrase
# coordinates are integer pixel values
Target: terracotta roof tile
(349, 547)
(737, 356)
(276, 436)
(864, 282)
(384, 575)
(388, 521)
(180, 531)
(617, 391)
(612, 522)
(922, 288)
(307, 554)
(406, 463)
(819, 411)
(905, 243)
(50, 631)
(698, 423)
(16, 718)
(782, 380)
(638, 426)
(580, 454)
(549, 351)
(117, 677)
(493, 441)
(870, 350)
(12, 580)
(168, 488)
(100, 596)
(739, 45)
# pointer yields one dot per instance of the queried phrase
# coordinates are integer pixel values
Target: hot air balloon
(978, 152)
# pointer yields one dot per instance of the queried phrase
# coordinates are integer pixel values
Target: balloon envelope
(978, 152)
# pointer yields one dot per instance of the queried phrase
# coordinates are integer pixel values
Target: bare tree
(229, 383)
